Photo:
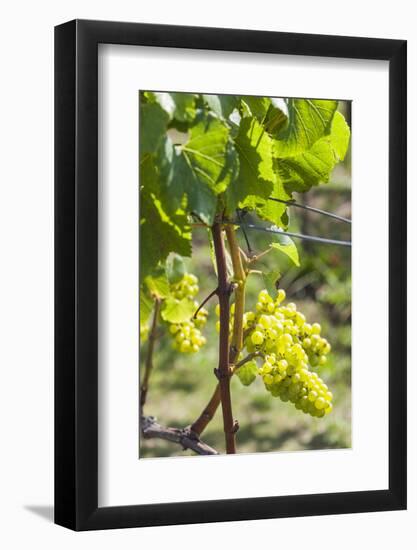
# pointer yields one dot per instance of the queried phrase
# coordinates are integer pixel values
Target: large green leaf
(339, 136)
(274, 211)
(309, 120)
(271, 112)
(314, 166)
(153, 123)
(185, 109)
(175, 268)
(222, 105)
(284, 244)
(198, 170)
(178, 105)
(150, 184)
(178, 311)
(160, 234)
(145, 306)
(276, 119)
(148, 175)
(157, 283)
(209, 154)
(256, 176)
(256, 106)
(180, 188)
(271, 279)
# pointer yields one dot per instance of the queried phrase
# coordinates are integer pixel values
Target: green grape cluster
(187, 287)
(290, 345)
(187, 336)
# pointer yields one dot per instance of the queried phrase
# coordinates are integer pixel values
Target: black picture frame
(76, 272)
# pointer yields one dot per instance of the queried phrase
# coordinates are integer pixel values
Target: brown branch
(149, 356)
(238, 335)
(208, 413)
(184, 437)
(248, 358)
(213, 293)
(223, 372)
(260, 255)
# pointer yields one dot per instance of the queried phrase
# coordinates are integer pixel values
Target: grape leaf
(271, 112)
(145, 306)
(247, 373)
(185, 109)
(311, 167)
(179, 105)
(160, 234)
(153, 123)
(339, 136)
(179, 186)
(209, 154)
(148, 175)
(308, 121)
(178, 311)
(222, 105)
(175, 268)
(199, 169)
(271, 279)
(274, 211)
(276, 118)
(234, 120)
(286, 245)
(256, 176)
(157, 283)
(258, 106)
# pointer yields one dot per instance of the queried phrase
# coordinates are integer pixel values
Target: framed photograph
(230, 252)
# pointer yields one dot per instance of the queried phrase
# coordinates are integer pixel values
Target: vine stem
(208, 413)
(149, 356)
(223, 371)
(184, 437)
(246, 359)
(237, 337)
(239, 276)
(204, 302)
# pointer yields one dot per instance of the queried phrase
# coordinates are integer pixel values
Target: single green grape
(257, 338)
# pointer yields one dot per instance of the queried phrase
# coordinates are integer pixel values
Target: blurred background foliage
(182, 384)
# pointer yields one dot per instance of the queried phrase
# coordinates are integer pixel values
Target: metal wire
(312, 209)
(295, 235)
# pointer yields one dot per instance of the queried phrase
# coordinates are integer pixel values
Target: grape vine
(206, 160)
